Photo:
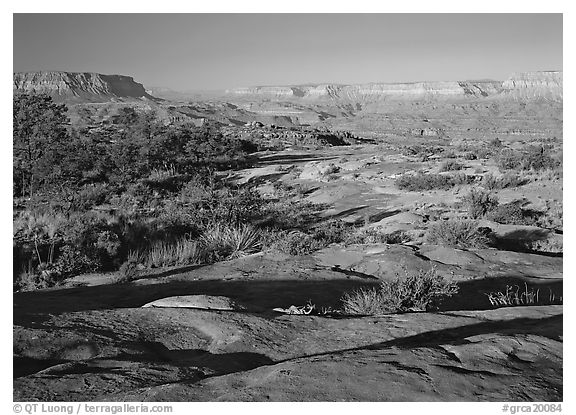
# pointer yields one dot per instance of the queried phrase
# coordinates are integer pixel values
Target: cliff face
(529, 85)
(86, 86)
(520, 86)
(376, 91)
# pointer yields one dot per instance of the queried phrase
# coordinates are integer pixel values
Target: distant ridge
(527, 85)
(80, 86)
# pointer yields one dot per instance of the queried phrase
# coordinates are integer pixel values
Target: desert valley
(320, 242)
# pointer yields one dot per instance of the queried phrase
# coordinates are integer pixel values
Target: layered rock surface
(523, 85)
(99, 343)
(87, 86)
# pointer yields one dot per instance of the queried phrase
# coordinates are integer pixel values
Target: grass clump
(221, 242)
(423, 291)
(513, 296)
(164, 254)
(459, 234)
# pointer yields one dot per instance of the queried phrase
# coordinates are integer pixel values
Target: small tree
(39, 140)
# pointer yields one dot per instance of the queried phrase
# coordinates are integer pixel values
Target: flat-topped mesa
(375, 91)
(87, 86)
(524, 86)
(534, 85)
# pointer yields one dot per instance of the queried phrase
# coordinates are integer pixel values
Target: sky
(221, 51)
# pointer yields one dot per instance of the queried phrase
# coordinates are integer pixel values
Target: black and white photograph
(287, 207)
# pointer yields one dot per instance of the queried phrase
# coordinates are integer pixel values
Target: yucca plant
(229, 241)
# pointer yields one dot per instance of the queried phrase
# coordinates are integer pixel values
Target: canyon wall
(85, 86)
(530, 85)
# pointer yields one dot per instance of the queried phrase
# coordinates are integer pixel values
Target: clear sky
(219, 51)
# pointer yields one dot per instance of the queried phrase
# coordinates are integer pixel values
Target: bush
(552, 217)
(512, 214)
(422, 182)
(423, 291)
(507, 180)
(479, 202)
(377, 236)
(295, 243)
(549, 245)
(365, 302)
(451, 165)
(533, 158)
(458, 233)
(128, 270)
(333, 231)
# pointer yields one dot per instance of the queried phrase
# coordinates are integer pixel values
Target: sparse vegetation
(451, 165)
(512, 214)
(459, 234)
(377, 236)
(221, 242)
(423, 182)
(531, 158)
(163, 254)
(507, 180)
(423, 291)
(514, 296)
(479, 202)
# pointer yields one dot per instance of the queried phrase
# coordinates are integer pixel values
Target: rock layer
(86, 85)
(523, 85)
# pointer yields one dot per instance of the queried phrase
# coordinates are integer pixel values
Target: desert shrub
(129, 270)
(507, 180)
(461, 179)
(376, 236)
(290, 214)
(508, 159)
(451, 165)
(536, 158)
(364, 301)
(72, 261)
(423, 291)
(332, 231)
(295, 243)
(548, 245)
(330, 170)
(512, 214)
(495, 142)
(483, 153)
(90, 196)
(470, 156)
(220, 242)
(552, 218)
(31, 280)
(459, 234)
(163, 254)
(422, 182)
(532, 158)
(479, 202)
